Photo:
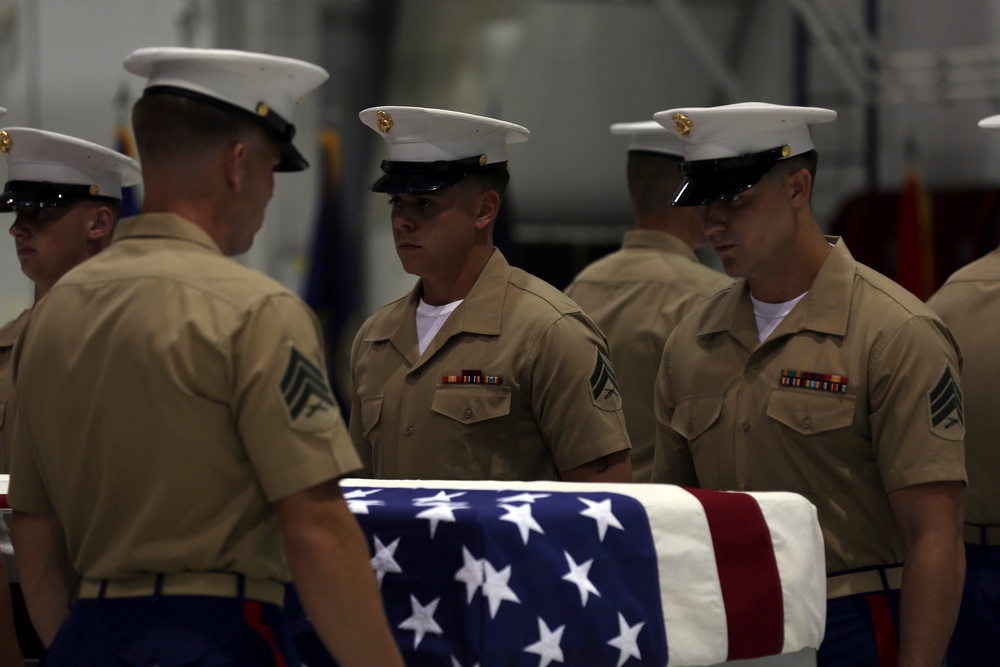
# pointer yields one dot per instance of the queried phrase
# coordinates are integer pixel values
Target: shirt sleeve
(286, 413)
(27, 491)
(915, 404)
(672, 461)
(574, 394)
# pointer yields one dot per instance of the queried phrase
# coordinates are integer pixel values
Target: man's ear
(102, 223)
(233, 164)
(800, 187)
(489, 208)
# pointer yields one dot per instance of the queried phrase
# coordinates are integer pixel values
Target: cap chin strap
(465, 165)
(707, 167)
(49, 193)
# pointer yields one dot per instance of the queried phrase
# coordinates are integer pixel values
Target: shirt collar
(824, 309)
(654, 238)
(163, 226)
(480, 312)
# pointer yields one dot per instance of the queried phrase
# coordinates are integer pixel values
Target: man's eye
(424, 203)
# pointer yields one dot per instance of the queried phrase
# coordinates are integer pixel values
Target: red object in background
(915, 238)
(966, 227)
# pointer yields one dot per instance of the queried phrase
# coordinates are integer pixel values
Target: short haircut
(808, 161)
(489, 179)
(168, 126)
(653, 178)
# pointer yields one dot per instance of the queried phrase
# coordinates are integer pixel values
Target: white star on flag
(384, 559)
(521, 515)
(626, 641)
(456, 663)
(443, 512)
(440, 497)
(547, 645)
(360, 493)
(471, 574)
(601, 513)
(422, 621)
(359, 506)
(524, 498)
(578, 575)
(495, 587)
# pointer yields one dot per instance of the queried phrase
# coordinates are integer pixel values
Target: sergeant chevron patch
(306, 393)
(944, 400)
(604, 384)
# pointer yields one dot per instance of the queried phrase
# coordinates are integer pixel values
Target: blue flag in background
(124, 144)
(330, 286)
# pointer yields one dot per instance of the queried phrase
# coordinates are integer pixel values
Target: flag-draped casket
(554, 573)
(550, 573)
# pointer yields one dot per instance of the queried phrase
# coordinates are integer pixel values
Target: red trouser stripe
(748, 573)
(885, 631)
(254, 615)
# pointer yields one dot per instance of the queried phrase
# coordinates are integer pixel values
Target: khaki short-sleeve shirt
(167, 396)
(853, 396)
(637, 296)
(8, 397)
(969, 303)
(547, 400)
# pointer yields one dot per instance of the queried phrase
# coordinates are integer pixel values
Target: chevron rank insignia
(306, 394)
(947, 416)
(604, 384)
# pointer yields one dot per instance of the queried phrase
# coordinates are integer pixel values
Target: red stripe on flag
(254, 615)
(748, 573)
(885, 631)
(3, 502)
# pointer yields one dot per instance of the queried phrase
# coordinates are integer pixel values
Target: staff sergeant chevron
(306, 393)
(944, 399)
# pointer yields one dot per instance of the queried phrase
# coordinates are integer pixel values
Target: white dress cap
(711, 133)
(264, 86)
(48, 169)
(650, 136)
(991, 123)
(415, 134)
(438, 147)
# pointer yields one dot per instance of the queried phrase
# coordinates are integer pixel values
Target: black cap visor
(412, 177)
(718, 180)
(44, 194)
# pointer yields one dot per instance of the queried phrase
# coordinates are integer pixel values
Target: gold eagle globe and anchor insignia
(786, 151)
(94, 190)
(384, 122)
(682, 124)
(482, 160)
(263, 109)
(5, 142)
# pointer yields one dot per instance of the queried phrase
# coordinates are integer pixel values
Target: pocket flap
(694, 414)
(371, 412)
(469, 404)
(808, 411)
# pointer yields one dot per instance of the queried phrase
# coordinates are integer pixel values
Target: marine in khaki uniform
(178, 446)
(969, 303)
(483, 371)
(66, 195)
(638, 294)
(816, 375)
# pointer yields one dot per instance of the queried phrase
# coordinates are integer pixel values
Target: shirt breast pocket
(472, 404)
(694, 415)
(811, 412)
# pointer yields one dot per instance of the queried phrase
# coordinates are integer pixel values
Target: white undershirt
(430, 319)
(770, 315)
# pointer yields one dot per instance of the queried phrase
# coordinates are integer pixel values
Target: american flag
(541, 574)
